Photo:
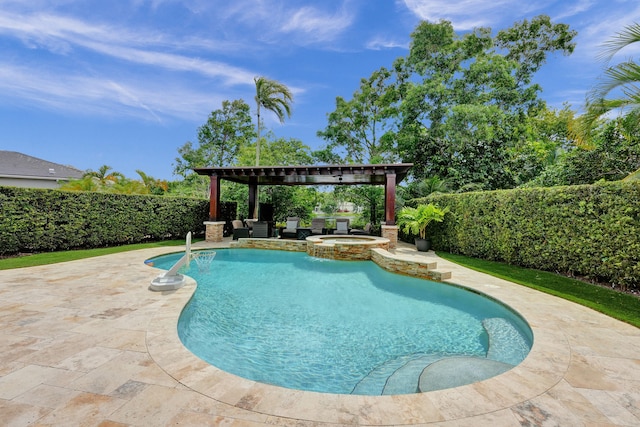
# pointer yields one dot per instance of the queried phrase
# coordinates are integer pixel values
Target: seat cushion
(291, 226)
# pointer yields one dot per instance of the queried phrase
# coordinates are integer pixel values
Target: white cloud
(317, 25)
(601, 25)
(275, 20)
(82, 94)
(62, 35)
(381, 42)
(571, 9)
(465, 14)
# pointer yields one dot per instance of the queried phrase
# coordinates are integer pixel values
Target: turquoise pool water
(295, 321)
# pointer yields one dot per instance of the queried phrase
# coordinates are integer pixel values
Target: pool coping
(544, 367)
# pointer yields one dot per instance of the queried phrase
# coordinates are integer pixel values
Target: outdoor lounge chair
(249, 224)
(364, 232)
(318, 226)
(291, 230)
(260, 229)
(342, 226)
(239, 230)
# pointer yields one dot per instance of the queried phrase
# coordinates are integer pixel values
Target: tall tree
(623, 80)
(465, 99)
(280, 151)
(272, 96)
(359, 127)
(275, 97)
(529, 42)
(220, 139)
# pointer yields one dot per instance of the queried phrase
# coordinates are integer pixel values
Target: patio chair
(260, 229)
(364, 232)
(293, 222)
(342, 226)
(318, 226)
(239, 230)
(249, 224)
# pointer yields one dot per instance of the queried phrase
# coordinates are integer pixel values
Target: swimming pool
(288, 319)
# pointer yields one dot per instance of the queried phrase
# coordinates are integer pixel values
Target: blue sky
(126, 82)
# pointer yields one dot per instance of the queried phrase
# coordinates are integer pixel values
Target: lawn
(619, 305)
(55, 257)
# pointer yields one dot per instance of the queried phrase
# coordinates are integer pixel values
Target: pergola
(388, 175)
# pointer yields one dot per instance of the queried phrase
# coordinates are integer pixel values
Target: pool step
(415, 373)
(405, 379)
(375, 382)
(457, 371)
(506, 343)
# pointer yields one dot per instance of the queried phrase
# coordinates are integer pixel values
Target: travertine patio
(86, 343)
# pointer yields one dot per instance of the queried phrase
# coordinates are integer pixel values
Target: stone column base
(214, 231)
(390, 232)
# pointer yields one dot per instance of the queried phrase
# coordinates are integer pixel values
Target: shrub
(43, 220)
(585, 230)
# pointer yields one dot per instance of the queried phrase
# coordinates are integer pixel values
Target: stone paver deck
(86, 343)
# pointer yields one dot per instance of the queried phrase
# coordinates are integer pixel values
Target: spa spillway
(344, 247)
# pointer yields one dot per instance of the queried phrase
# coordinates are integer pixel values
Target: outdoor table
(303, 232)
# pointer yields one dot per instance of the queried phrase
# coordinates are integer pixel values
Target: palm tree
(273, 96)
(103, 176)
(624, 77)
(154, 186)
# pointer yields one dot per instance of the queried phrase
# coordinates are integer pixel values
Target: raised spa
(344, 247)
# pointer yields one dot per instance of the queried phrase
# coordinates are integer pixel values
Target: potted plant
(415, 221)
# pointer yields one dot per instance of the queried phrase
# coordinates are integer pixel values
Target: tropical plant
(86, 183)
(613, 153)
(425, 187)
(153, 185)
(623, 79)
(272, 96)
(415, 220)
(104, 175)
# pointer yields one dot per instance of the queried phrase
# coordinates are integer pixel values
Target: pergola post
(389, 230)
(214, 198)
(253, 195)
(390, 199)
(214, 229)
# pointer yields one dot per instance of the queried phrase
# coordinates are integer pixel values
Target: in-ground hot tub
(344, 247)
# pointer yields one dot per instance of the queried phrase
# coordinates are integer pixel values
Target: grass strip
(619, 305)
(45, 258)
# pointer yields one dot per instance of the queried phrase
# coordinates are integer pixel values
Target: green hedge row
(39, 220)
(585, 230)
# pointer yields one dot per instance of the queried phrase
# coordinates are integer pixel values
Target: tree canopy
(457, 106)
(220, 139)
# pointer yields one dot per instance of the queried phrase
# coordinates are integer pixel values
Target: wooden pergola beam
(389, 175)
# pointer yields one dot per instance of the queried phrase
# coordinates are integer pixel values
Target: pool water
(295, 321)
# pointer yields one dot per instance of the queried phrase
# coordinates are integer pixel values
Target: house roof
(18, 165)
(309, 175)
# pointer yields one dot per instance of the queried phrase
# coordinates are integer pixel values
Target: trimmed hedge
(585, 230)
(44, 220)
